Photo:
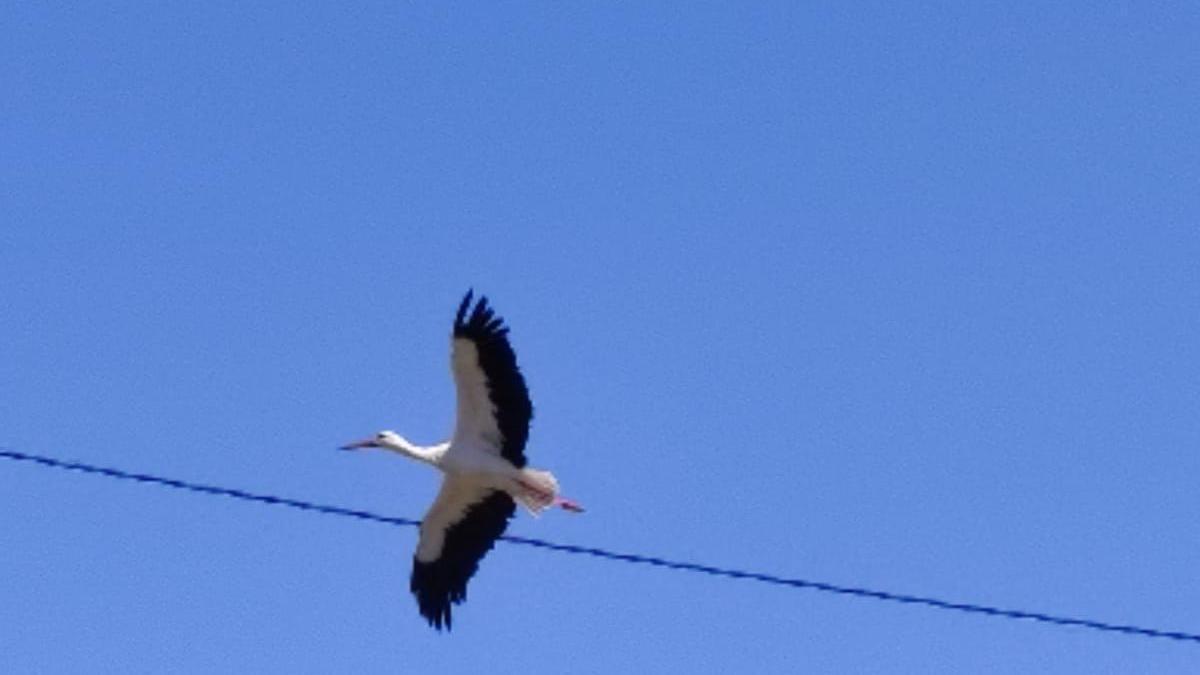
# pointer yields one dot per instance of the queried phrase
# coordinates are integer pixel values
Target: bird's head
(383, 439)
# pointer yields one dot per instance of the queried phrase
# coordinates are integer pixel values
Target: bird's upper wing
(459, 529)
(493, 403)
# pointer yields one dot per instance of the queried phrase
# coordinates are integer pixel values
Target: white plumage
(484, 463)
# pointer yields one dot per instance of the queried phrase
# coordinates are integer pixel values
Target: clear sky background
(899, 297)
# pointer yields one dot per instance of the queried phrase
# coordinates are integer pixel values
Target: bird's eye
(380, 436)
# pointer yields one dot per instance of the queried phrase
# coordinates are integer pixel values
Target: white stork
(483, 463)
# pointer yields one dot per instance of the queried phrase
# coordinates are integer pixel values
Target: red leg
(568, 505)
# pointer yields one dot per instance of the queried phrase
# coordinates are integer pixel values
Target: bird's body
(484, 465)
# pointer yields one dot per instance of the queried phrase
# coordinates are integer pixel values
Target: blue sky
(893, 296)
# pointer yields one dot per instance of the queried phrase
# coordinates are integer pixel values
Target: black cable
(970, 608)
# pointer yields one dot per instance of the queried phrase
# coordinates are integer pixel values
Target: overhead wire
(633, 558)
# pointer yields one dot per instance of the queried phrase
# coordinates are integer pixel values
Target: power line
(967, 607)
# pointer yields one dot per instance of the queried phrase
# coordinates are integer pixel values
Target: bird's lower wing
(457, 532)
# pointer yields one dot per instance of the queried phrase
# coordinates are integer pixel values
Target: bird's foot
(568, 505)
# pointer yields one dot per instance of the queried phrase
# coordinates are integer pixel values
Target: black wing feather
(439, 584)
(506, 385)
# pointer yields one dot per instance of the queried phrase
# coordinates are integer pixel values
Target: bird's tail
(539, 490)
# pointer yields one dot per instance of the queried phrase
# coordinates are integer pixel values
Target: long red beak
(359, 445)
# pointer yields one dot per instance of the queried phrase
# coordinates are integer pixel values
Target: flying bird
(483, 464)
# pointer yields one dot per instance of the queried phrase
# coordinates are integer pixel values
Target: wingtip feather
(462, 308)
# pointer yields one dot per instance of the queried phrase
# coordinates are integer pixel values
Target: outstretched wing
(493, 403)
(460, 528)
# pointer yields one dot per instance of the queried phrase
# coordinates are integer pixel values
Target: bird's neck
(428, 454)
